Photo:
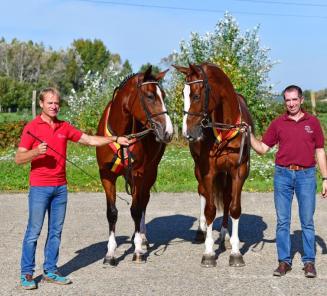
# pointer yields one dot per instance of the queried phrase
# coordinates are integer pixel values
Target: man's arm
(321, 159)
(258, 146)
(100, 141)
(24, 155)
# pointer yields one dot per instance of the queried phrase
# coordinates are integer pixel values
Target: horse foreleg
(112, 216)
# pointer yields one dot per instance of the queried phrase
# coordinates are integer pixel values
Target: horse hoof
(138, 258)
(208, 261)
(236, 260)
(200, 236)
(109, 261)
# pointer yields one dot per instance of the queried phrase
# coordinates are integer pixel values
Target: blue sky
(295, 30)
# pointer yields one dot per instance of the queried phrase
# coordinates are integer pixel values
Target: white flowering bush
(239, 56)
(86, 107)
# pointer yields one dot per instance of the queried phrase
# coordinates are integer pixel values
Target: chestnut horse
(138, 110)
(216, 123)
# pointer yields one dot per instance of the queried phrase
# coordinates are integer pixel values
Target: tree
(94, 54)
(239, 56)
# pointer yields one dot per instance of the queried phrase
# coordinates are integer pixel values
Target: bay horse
(138, 110)
(216, 123)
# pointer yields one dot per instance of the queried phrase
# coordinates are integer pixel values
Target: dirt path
(173, 266)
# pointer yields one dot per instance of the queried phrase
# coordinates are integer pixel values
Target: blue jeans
(303, 183)
(42, 199)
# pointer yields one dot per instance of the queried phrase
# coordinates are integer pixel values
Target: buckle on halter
(204, 122)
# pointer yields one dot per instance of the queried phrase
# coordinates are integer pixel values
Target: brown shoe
(282, 269)
(309, 270)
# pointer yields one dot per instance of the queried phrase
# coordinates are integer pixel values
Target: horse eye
(150, 96)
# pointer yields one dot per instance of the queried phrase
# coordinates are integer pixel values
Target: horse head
(151, 109)
(143, 99)
(197, 106)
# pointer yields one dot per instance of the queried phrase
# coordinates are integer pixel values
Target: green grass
(12, 117)
(176, 172)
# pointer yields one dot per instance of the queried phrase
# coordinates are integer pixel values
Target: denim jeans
(303, 183)
(42, 199)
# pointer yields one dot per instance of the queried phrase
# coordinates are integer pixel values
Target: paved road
(173, 266)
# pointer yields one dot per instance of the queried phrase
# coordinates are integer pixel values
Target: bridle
(148, 114)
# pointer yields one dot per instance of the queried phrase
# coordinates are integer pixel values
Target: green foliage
(239, 56)
(15, 94)
(86, 106)
(10, 133)
(94, 54)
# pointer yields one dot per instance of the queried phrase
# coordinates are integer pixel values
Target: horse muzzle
(195, 134)
(162, 135)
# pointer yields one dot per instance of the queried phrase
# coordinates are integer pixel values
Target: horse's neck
(120, 123)
(228, 111)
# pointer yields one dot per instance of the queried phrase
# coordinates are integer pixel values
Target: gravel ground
(173, 263)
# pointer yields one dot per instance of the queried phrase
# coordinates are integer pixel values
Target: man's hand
(125, 141)
(324, 189)
(42, 148)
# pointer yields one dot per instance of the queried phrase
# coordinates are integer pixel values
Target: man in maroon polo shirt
(300, 143)
(48, 184)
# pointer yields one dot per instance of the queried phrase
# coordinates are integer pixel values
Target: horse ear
(181, 69)
(194, 69)
(147, 73)
(161, 75)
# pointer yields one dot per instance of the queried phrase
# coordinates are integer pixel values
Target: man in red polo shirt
(48, 184)
(300, 138)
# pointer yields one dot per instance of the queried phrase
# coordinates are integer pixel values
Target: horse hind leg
(224, 191)
(145, 242)
(139, 252)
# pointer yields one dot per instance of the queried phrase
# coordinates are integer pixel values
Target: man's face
(50, 105)
(293, 102)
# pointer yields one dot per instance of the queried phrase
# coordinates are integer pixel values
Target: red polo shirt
(49, 169)
(297, 140)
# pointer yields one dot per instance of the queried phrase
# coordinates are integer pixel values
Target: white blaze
(187, 103)
(169, 125)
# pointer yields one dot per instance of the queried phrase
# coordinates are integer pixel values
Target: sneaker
(56, 278)
(309, 270)
(27, 282)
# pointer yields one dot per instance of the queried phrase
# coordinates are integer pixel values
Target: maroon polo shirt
(49, 169)
(297, 140)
